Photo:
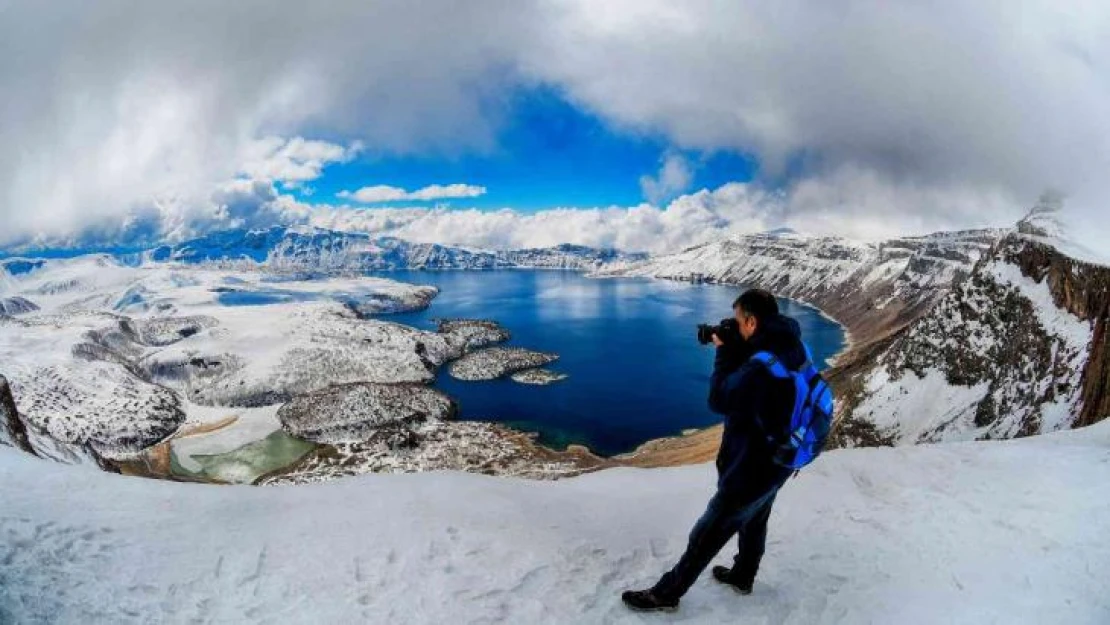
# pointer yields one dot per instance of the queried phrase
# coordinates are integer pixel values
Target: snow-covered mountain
(975, 334)
(312, 249)
(871, 288)
(1018, 347)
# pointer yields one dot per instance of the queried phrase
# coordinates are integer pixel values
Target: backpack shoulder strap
(808, 368)
(773, 364)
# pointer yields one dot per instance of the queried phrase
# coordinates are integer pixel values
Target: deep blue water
(636, 369)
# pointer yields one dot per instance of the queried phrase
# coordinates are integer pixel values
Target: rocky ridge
(16, 432)
(82, 392)
(1010, 351)
(1018, 347)
(13, 431)
(956, 336)
(874, 289)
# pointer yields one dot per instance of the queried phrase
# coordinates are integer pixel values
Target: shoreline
(700, 445)
(690, 446)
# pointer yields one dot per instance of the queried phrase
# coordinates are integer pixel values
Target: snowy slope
(117, 353)
(1012, 350)
(1005, 532)
(872, 288)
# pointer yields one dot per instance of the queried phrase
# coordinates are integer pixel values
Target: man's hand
(731, 355)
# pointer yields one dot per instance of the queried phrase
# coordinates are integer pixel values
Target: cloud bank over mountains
(131, 121)
(842, 205)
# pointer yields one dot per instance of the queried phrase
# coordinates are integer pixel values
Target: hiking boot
(647, 601)
(723, 574)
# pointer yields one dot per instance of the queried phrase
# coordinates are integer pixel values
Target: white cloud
(385, 193)
(131, 117)
(144, 109)
(294, 161)
(853, 203)
(935, 97)
(674, 177)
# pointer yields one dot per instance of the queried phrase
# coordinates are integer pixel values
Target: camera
(728, 331)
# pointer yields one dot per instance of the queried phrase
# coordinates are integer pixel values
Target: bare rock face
(16, 306)
(1018, 348)
(353, 413)
(12, 430)
(1083, 290)
(494, 362)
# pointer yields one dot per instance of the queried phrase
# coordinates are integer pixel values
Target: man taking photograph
(756, 396)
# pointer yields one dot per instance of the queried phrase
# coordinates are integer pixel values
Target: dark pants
(726, 516)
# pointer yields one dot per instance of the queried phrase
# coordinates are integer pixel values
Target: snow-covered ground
(1000, 532)
(119, 359)
(119, 356)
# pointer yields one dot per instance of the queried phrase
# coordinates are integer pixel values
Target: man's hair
(757, 303)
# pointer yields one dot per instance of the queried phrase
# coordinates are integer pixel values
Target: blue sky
(549, 153)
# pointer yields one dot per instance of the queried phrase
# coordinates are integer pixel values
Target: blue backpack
(812, 417)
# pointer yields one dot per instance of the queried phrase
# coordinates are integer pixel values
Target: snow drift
(1008, 532)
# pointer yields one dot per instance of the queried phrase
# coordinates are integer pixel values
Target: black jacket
(741, 390)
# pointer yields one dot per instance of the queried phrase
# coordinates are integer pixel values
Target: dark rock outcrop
(13, 306)
(1083, 289)
(12, 429)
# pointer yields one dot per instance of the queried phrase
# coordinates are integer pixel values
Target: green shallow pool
(245, 464)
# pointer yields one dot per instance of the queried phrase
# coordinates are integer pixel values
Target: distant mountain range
(318, 250)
